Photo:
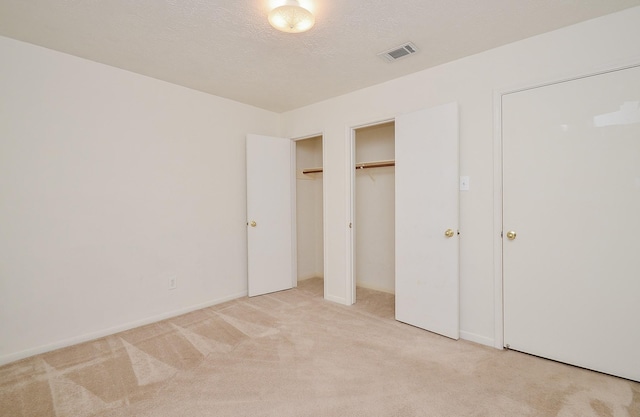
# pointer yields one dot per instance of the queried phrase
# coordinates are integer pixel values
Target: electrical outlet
(173, 283)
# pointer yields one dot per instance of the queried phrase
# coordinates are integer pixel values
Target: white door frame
(498, 276)
(324, 209)
(350, 293)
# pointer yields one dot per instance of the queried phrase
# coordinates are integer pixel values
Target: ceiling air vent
(398, 52)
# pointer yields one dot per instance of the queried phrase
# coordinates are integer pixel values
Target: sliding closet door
(270, 214)
(427, 219)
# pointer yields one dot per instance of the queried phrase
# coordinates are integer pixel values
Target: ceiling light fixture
(291, 17)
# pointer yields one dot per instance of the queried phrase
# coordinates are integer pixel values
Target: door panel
(571, 190)
(427, 285)
(270, 214)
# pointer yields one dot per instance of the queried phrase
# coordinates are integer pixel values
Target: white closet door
(270, 214)
(571, 189)
(426, 208)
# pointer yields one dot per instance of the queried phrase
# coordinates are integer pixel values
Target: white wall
(375, 209)
(111, 183)
(471, 81)
(309, 209)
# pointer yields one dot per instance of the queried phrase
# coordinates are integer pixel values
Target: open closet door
(270, 214)
(427, 219)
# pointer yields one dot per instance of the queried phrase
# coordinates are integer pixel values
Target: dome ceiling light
(291, 17)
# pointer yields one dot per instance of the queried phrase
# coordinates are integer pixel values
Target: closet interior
(374, 200)
(309, 208)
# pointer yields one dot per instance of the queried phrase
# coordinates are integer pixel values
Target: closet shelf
(359, 165)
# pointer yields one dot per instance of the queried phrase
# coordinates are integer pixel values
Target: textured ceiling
(227, 48)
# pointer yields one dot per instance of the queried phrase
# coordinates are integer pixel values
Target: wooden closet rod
(376, 164)
(360, 165)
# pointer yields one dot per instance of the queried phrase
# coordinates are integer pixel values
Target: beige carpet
(293, 354)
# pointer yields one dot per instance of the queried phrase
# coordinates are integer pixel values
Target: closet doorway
(374, 207)
(309, 210)
(423, 229)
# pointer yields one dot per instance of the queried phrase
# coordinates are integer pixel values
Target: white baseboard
(12, 357)
(339, 300)
(476, 338)
(306, 277)
(375, 288)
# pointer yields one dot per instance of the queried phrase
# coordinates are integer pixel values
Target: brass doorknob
(511, 235)
(449, 233)
(253, 223)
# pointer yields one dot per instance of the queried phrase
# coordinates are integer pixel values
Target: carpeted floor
(293, 354)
